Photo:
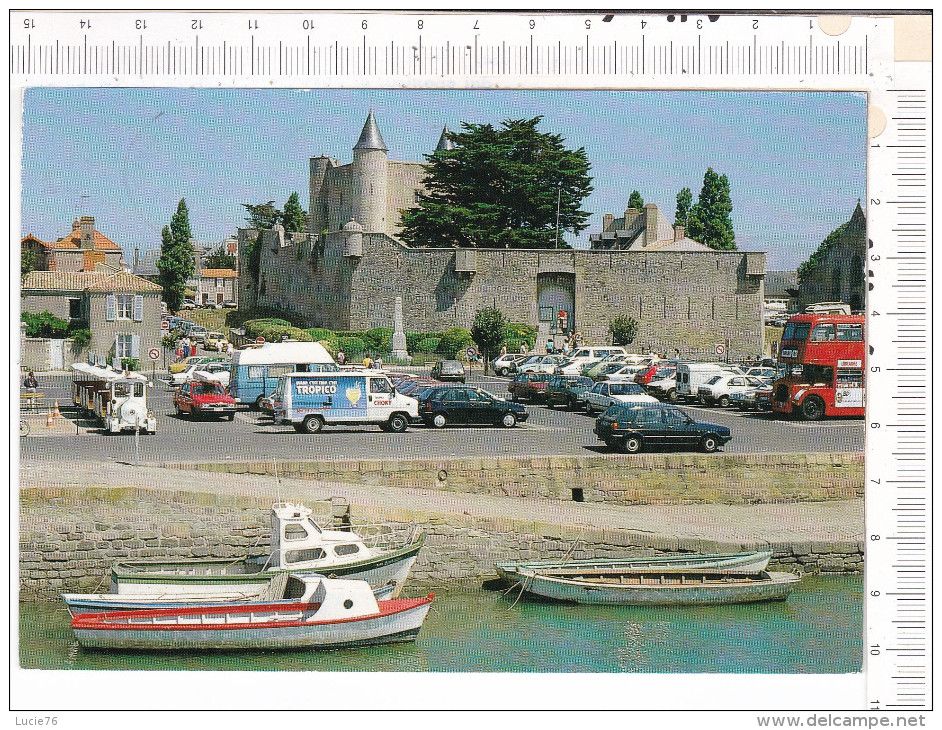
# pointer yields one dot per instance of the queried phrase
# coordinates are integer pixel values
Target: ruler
(633, 50)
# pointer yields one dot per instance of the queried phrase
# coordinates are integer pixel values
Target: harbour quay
(75, 524)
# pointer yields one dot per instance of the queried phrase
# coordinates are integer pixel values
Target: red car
(655, 372)
(528, 386)
(201, 399)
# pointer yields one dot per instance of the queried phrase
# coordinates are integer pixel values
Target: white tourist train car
(117, 399)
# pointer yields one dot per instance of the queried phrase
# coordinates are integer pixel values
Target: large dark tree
(500, 188)
(294, 219)
(709, 221)
(219, 259)
(262, 216)
(636, 201)
(175, 264)
(684, 201)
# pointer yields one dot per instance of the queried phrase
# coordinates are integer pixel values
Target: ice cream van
(309, 401)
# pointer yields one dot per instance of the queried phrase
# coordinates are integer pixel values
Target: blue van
(255, 371)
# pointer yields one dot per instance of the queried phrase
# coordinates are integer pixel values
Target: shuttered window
(110, 307)
(138, 308)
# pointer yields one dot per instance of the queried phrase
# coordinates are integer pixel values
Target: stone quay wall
(618, 479)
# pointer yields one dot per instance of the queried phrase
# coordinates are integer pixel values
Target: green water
(817, 630)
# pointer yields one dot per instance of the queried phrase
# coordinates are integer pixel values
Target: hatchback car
(439, 407)
(633, 428)
(201, 399)
(541, 364)
(603, 394)
(528, 386)
(720, 388)
(448, 370)
(505, 364)
(566, 390)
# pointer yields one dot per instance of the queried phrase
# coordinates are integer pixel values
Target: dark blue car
(439, 407)
(633, 428)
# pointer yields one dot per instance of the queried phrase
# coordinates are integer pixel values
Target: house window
(75, 309)
(123, 345)
(218, 282)
(125, 306)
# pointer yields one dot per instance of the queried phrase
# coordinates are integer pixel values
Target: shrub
(129, 363)
(352, 345)
(81, 336)
(380, 339)
(44, 324)
(427, 345)
(517, 333)
(455, 339)
(623, 329)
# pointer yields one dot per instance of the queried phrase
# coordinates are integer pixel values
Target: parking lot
(547, 432)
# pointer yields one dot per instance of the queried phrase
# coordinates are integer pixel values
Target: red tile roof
(218, 274)
(73, 240)
(104, 281)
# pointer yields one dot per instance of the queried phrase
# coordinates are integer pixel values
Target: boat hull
(729, 564)
(154, 630)
(753, 589)
(208, 577)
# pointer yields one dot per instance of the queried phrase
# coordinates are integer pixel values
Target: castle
(347, 270)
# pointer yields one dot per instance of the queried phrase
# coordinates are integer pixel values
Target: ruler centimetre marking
(774, 52)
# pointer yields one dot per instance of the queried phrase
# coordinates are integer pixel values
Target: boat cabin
(297, 541)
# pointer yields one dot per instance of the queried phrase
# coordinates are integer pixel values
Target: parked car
(566, 390)
(620, 372)
(603, 394)
(587, 356)
(761, 373)
(719, 388)
(448, 370)
(753, 399)
(197, 333)
(655, 372)
(505, 364)
(634, 428)
(229, 304)
(465, 404)
(188, 304)
(212, 340)
(219, 372)
(411, 386)
(528, 386)
(201, 399)
(691, 375)
(179, 367)
(186, 375)
(664, 388)
(540, 364)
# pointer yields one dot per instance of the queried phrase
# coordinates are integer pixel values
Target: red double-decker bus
(824, 357)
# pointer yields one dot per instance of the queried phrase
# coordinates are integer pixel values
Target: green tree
(294, 219)
(623, 329)
(27, 263)
(709, 220)
(175, 264)
(684, 201)
(263, 215)
(636, 201)
(500, 188)
(487, 331)
(219, 259)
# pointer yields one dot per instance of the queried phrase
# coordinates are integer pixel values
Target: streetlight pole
(559, 193)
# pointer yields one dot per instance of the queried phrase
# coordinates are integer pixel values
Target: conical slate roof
(370, 138)
(443, 142)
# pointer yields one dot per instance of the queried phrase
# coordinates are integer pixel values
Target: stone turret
(369, 178)
(352, 240)
(445, 144)
(318, 205)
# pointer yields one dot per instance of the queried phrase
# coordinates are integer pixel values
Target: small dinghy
(336, 613)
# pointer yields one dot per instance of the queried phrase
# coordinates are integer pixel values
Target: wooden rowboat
(647, 588)
(338, 613)
(728, 563)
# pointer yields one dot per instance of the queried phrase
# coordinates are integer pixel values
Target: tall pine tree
(294, 219)
(175, 265)
(503, 187)
(636, 201)
(709, 221)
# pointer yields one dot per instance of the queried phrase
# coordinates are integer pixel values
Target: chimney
(607, 220)
(651, 214)
(137, 258)
(631, 215)
(679, 232)
(87, 224)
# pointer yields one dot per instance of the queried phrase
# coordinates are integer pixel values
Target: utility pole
(559, 193)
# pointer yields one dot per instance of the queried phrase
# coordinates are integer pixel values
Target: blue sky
(796, 161)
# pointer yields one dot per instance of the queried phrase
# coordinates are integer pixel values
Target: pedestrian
(229, 349)
(503, 350)
(676, 354)
(549, 347)
(179, 351)
(30, 382)
(219, 346)
(341, 358)
(186, 347)
(523, 348)
(367, 362)
(378, 363)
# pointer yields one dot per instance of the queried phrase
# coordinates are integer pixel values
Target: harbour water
(817, 630)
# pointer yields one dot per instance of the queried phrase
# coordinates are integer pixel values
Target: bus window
(139, 390)
(275, 370)
(796, 332)
(850, 333)
(256, 371)
(818, 374)
(301, 367)
(847, 378)
(823, 333)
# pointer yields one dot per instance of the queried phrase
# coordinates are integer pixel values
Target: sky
(796, 161)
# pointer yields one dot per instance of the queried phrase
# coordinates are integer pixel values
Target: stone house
(216, 286)
(346, 273)
(836, 272)
(121, 310)
(82, 249)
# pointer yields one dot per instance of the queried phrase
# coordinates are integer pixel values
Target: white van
(310, 400)
(587, 356)
(691, 375)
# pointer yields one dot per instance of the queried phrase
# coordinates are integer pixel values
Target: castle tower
(369, 178)
(445, 144)
(318, 203)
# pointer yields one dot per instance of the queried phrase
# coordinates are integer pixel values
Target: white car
(603, 394)
(540, 364)
(764, 373)
(621, 372)
(186, 375)
(218, 372)
(505, 364)
(665, 388)
(587, 356)
(719, 388)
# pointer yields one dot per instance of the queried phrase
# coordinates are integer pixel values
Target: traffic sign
(259, 340)
(165, 325)
(471, 352)
(719, 349)
(153, 353)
